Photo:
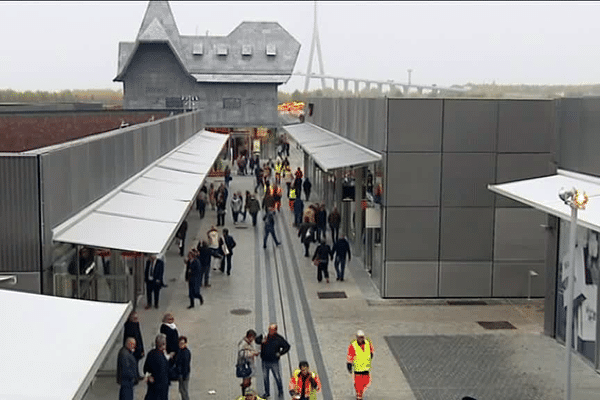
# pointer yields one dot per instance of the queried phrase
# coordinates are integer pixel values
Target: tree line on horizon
(107, 97)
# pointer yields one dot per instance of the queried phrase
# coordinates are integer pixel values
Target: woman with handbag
(245, 361)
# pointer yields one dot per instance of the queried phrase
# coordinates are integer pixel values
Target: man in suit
(127, 370)
(153, 276)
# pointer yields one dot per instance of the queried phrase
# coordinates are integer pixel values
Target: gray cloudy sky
(73, 45)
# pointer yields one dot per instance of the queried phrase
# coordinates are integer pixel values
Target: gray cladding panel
(516, 167)
(465, 177)
(526, 126)
(465, 279)
(579, 145)
(510, 279)
(412, 233)
(411, 279)
(415, 125)
(414, 179)
(19, 214)
(466, 234)
(519, 234)
(470, 125)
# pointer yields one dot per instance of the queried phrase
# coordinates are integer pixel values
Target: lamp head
(566, 195)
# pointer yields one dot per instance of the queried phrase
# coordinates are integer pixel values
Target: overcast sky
(73, 45)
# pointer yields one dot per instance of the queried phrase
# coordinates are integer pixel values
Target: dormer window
(222, 50)
(271, 50)
(246, 50)
(198, 49)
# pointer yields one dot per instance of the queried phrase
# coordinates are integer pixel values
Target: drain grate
(496, 325)
(240, 311)
(466, 303)
(241, 227)
(332, 295)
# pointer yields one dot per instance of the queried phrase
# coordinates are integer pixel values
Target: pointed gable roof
(252, 52)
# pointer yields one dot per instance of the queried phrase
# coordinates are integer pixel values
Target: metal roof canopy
(542, 194)
(143, 213)
(330, 151)
(37, 324)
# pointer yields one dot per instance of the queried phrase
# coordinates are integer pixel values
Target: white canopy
(53, 346)
(143, 213)
(330, 151)
(542, 194)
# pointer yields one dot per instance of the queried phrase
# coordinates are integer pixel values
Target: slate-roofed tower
(233, 78)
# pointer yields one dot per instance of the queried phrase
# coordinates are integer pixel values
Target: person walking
(153, 277)
(253, 208)
(321, 260)
(226, 244)
(193, 276)
(360, 354)
(132, 329)
(236, 206)
(339, 251)
(127, 369)
(321, 219)
(213, 244)
(156, 368)
(183, 362)
(306, 233)
(307, 186)
(269, 219)
(205, 255)
(221, 208)
(298, 211)
(201, 203)
(272, 347)
(304, 384)
(335, 220)
(245, 208)
(247, 353)
(180, 236)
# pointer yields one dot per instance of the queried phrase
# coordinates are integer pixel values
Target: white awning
(143, 213)
(330, 151)
(542, 194)
(54, 346)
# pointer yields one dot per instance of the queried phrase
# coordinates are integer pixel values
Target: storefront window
(587, 276)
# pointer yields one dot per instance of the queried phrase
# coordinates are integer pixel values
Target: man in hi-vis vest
(360, 354)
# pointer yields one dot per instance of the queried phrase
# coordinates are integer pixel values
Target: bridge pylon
(314, 43)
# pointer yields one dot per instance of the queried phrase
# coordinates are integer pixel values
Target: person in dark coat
(205, 254)
(321, 219)
(153, 276)
(183, 367)
(227, 244)
(157, 366)
(321, 258)
(306, 233)
(127, 369)
(132, 329)
(334, 219)
(340, 250)
(253, 208)
(307, 186)
(169, 328)
(298, 211)
(272, 347)
(221, 209)
(180, 235)
(192, 276)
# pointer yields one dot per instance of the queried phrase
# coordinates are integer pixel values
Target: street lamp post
(577, 201)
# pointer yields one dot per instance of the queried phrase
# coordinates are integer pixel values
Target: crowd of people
(170, 358)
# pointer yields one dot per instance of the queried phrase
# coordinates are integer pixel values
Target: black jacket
(273, 348)
(322, 253)
(341, 248)
(172, 338)
(156, 363)
(182, 362)
(132, 329)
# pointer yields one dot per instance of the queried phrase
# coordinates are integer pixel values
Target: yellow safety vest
(362, 358)
(292, 194)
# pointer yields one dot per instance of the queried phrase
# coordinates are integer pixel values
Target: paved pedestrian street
(424, 349)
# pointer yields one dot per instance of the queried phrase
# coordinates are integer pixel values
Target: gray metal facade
(445, 234)
(70, 177)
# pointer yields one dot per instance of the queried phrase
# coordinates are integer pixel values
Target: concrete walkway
(279, 285)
